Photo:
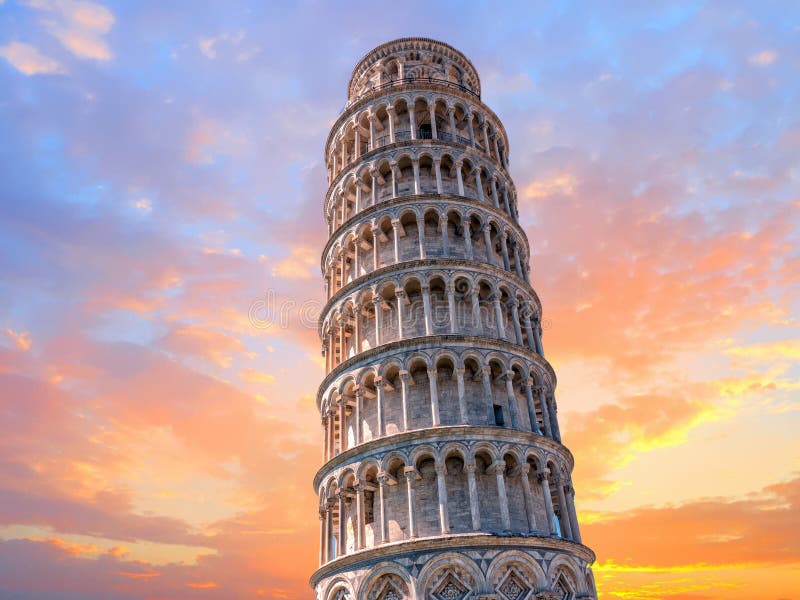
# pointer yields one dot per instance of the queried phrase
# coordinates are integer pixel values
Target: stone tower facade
(444, 476)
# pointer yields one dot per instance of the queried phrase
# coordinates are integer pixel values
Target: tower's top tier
(407, 59)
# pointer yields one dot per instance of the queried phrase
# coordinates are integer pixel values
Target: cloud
(298, 265)
(21, 340)
(612, 435)
(29, 60)
(80, 26)
(255, 376)
(702, 531)
(763, 58)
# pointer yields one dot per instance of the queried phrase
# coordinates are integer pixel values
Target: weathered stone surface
(444, 475)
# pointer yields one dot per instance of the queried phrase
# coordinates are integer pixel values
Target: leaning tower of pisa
(444, 475)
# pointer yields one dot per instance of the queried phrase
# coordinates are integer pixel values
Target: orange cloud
(27, 59)
(196, 340)
(715, 547)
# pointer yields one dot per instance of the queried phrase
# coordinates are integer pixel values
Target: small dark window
(498, 415)
(425, 131)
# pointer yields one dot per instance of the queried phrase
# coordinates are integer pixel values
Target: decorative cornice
(460, 541)
(444, 433)
(414, 199)
(417, 85)
(435, 341)
(431, 143)
(434, 263)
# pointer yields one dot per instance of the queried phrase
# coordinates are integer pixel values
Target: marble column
(474, 507)
(498, 315)
(451, 307)
(525, 469)
(476, 312)
(426, 304)
(359, 407)
(411, 474)
(548, 502)
(487, 240)
(376, 303)
(401, 300)
(527, 384)
(478, 184)
(499, 471)
(442, 493)
(562, 505)
(487, 392)
(396, 239)
(384, 524)
(404, 377)
(379, 406)
(515, 318)
(462, 400)
(467, 236)
(512, 399)
(432, 384)
(359, 528)
(390, 112)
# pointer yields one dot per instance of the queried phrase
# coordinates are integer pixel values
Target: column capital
(470, 467)
(377, 300)
(459, 371)
(525, 468)
(395, 223)
(390, 109)
(383, 478)
(379, 383)
(486, 371)
(440, 469)
(432, 371)
(404, 375)
(401, 293)
(528, 382)
(437, 159)
(410, 473)
(543, 475)
(358, 391)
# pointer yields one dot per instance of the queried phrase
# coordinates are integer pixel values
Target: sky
(161, 189)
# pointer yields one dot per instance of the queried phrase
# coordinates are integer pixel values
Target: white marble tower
(444, 475)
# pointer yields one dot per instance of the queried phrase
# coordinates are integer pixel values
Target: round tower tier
(413, 59)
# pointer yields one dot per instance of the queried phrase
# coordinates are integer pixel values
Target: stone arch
(515, 572)
(382, 578)
(450, 574)
(562, 567)
(337, 585)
